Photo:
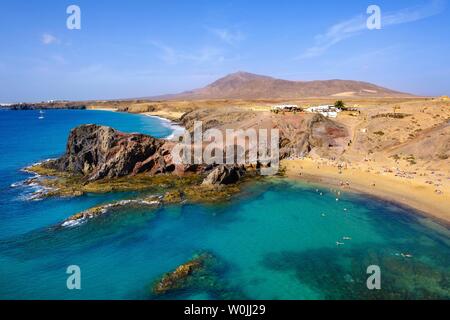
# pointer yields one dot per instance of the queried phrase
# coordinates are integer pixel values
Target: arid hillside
(244, 85)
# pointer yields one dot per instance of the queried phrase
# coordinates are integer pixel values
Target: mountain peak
(246, 85)
(234, 81)
(245, 75)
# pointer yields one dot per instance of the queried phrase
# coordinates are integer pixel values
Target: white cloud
(48, 38)
(205, 54)
(414, 13)
(356, 25)
(228, 36)
(168, 54)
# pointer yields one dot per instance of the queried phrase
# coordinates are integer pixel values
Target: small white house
(325, 110)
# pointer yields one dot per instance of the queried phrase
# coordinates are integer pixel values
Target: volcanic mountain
(244, 85)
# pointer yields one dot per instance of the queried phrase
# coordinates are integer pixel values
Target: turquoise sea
(276, 240)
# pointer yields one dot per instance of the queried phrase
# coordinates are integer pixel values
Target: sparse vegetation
(66, 184)
(175, 188)
(411, 159)
(392, 115)
(340, 105)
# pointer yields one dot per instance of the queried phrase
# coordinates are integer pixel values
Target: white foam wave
(177, 130)
(73, 223)
(86, 215)
(33, 189)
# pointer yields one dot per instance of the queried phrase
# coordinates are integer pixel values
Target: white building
(326, 110)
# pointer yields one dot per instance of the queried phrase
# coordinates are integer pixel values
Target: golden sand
(414, 193)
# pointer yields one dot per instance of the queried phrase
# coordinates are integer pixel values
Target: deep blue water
(276, 240)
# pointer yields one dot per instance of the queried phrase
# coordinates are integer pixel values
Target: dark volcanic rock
(225, 174)
(99, 152)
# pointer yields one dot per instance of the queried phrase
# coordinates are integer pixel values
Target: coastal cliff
(99, 152)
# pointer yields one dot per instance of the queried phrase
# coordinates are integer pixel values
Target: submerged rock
(225, 174)
(182, 275)
(204, 273)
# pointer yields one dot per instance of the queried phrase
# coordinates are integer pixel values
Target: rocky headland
(101, 159)
(99, 152)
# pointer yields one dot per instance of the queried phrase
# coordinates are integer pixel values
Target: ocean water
(276, 240)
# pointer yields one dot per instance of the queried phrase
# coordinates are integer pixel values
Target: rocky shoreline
(100, 159)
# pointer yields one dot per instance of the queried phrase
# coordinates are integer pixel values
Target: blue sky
(143, 48)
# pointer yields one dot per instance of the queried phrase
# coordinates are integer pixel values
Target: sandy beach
(171, 115)
(414, 193)
(177, 130)
(100, 108)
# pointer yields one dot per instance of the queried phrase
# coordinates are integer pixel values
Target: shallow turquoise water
(277, 240)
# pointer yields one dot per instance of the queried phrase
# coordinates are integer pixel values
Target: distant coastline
(44, 106)
(176, 128)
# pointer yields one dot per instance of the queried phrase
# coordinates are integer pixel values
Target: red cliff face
(300, 135)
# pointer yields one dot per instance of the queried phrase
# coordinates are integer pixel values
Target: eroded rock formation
(99, 152)
(312, 132)
(225, 174)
